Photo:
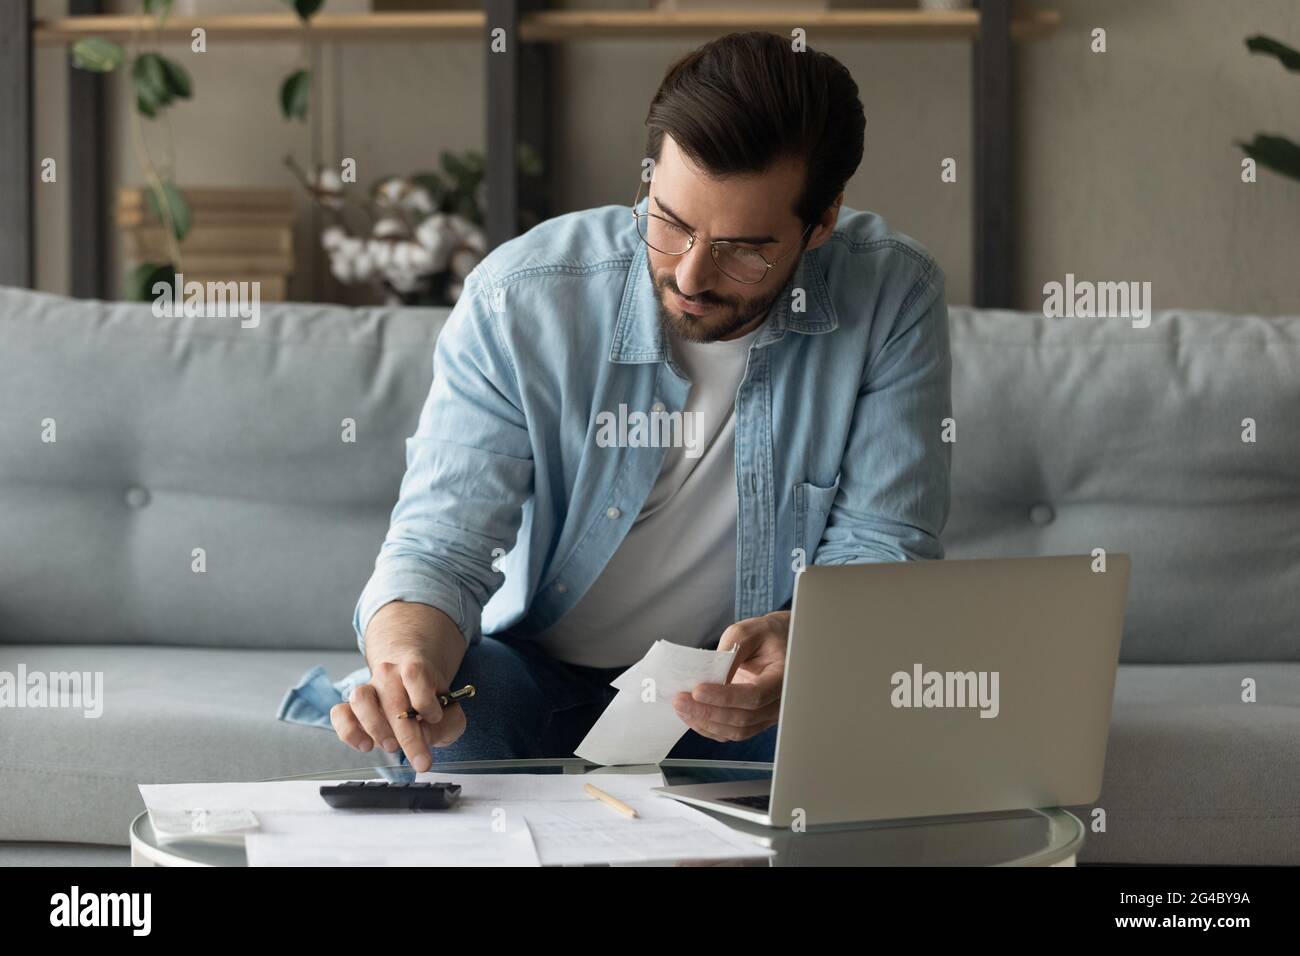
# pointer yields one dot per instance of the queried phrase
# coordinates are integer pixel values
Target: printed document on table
(571, 827)
(640, 725)
(414, 839)
(567, 826)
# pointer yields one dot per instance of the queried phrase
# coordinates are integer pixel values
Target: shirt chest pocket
(812, 510)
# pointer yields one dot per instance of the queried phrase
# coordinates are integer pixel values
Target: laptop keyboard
(760, 802)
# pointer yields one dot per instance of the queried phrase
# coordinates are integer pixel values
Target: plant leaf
(467, 207)
(454, 167)
(150, 78)
(97, 54)
(177, 78)
(1274, 152)
(158, 8)
(140, 280)
(294, 94)
(434, 184)
(176, 205)
(1261, 44)
(306, 9)
(530, 161)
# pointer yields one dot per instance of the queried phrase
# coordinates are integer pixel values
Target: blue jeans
(530, 705)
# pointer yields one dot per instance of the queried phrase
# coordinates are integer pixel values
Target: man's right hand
(413, 651)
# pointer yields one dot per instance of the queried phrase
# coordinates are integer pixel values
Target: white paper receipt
(640, 725)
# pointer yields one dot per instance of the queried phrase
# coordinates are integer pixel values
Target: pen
(465, 693)
(609, 800)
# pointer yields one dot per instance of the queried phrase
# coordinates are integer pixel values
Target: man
(792, 356)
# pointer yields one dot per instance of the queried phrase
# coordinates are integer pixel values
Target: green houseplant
(158, 82)
(1270, 150)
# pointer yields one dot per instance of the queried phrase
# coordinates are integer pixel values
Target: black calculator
(382, 795)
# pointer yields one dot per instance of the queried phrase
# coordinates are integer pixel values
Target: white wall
(1128, 169)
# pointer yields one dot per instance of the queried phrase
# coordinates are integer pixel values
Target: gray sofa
(183, 434)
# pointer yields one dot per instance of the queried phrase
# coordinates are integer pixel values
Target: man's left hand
(750, 701)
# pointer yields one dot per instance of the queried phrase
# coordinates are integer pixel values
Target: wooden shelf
(268, 26)
(553, 26)
(561, 25)
(517, 102)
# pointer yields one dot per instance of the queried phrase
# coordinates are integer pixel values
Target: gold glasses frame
(713, 244)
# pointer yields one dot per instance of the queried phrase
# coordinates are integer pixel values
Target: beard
(728, 316)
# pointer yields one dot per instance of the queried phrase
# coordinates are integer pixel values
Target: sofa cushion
(1195, 775)
(184, 433)
(170, 715)
(79, 855)
(1074, 434)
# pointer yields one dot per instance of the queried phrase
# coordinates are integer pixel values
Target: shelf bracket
(86, 168)
(17, 184)
(993, 145)
(518, 98)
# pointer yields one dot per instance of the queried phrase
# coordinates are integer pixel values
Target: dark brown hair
(747, 100)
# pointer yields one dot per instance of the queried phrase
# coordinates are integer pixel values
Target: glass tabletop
(1040, 837)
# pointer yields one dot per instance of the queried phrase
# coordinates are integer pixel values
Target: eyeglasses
(734, 261)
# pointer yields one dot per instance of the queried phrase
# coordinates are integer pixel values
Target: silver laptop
(940, 688)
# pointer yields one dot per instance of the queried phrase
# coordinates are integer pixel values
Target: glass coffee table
(1044, 837)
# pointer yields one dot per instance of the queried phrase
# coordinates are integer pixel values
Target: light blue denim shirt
(840, 457)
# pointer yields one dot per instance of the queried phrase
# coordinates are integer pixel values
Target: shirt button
(612, 513)
(1041, 514)
(657, 407)
(137, 497)
(562, 588)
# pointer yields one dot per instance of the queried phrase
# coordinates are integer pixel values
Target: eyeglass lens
(737, 262)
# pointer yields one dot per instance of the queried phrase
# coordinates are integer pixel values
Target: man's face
(697, 301)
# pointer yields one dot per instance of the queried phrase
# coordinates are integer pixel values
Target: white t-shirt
(674, 575)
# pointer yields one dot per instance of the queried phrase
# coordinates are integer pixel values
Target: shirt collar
(639, 335)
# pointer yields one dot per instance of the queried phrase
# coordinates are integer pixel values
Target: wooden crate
(236, 234)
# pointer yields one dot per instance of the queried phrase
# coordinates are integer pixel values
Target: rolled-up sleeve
(893, 497)
(469, 470)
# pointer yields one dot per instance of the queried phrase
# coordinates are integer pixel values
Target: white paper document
(640, 726)
(298, 828)
(415, 839)
(571, 827)
(500, 819)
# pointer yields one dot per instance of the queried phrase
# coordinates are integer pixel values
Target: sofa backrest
(1075, 434)
(177, 434)
(174, 434)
